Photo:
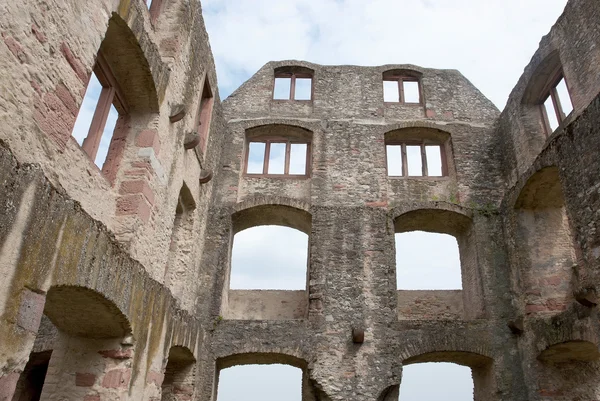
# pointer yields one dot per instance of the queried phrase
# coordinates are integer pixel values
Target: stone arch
(542, 72)
(130, 65)
(443, 218)
(544, 261)
(250, 125)
(83, 312)
(272, 211)
(310, 392)
(179, 375)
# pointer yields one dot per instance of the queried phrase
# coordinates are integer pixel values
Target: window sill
(403, 104)
(291, 101)
(419, 178)
(277, 176)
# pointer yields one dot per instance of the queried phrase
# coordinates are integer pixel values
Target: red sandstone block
(31, 310)
(85, 379)
(74, 62)
(448, 115)
(8, 384)
(430, 113)
(90, 397)
(535, 308)
(155, 377)
(183, 393)
(137, 173)
(67, 99)
(39, 35)
(117, 353)
(553, 280)
(137, 187)
(148, 139)
(134, 205)
(117, 378)
(339, 186)
(15, 48)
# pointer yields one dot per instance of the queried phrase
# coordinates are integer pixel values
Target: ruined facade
(115, 281)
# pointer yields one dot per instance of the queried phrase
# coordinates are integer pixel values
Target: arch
(543, 72)
(441, 220)
(293, 69)
(179, 379)
(295, 132)
(401, 72)
(574, 350)
(272, 214)
(83, 312)
(544, 247)
(249, 125)
(261, 358)
(131, 68)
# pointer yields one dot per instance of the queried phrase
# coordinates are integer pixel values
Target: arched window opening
(178, 383)
(278, 151)
(427, 261)
(556, 104)
(205, 113)
(260, 382)
(436, 381)
(269, 264)
(269, 258)
(293, 83)
(544, 247)
(102, 104)
(31, 381)
(417, 152)
(182, 242)
(402, 86)
(437, 272)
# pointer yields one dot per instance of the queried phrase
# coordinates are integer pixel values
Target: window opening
(298, 153)
(401, 90)
(260, 382)
(292, 86)
(436, 381)
(414, 159)
(557, 105)
(31, 382)
(206, 106)
(269, 258)
(427, 261)
(178, 382)
(278, 157)
(149, 3)
(98, 115)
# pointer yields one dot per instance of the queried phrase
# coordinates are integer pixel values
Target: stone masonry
(115, 281)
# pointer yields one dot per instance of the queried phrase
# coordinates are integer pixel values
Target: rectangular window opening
(414, 160)
(394, 160)
(551, 114)
(87, 109)
(411, 92)
(277, 158)
(298, 158)
(434, 160)
(282, 89)
(303, 89)
(106, 138)
(391, 91)
(149, 3)
(256, 157)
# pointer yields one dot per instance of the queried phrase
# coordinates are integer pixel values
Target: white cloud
(490, 41)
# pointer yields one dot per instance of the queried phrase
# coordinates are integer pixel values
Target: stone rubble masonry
(115, 280)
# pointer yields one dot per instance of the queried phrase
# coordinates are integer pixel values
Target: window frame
(278, 139)
(401, 79)
(551, 92)
(110, 94)
(424, 168)
(294, 76)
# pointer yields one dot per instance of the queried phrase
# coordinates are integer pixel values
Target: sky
(489, 41)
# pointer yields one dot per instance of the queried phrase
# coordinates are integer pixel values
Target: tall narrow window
(292, 86)
(278, 157)
(206, 106)
(401, 89)
(415, 159)
(556, 104)
(98, 114)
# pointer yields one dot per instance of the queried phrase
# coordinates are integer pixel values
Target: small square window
(293, 86)
(278, 157)
(415, 159)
